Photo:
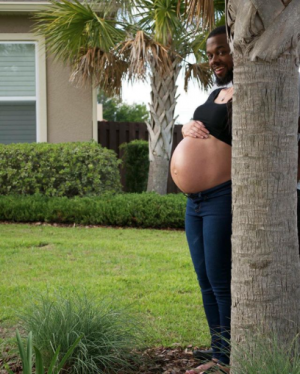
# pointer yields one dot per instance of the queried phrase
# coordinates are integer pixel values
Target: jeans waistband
(209, 191)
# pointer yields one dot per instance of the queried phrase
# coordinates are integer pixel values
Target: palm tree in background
(108, 41)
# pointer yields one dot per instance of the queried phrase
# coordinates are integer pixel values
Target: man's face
(220, 59)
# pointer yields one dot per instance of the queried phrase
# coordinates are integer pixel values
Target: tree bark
(266, 268)
(161, 125)
(158, 175)
(265, 265)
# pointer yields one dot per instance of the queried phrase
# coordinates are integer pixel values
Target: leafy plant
(67, 169)
(27, 357)
(108, 335)
(133, 210)
(136, 163)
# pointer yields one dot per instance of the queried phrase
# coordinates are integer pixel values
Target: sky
(139, 93)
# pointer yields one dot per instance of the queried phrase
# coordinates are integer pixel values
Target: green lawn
(150, 270)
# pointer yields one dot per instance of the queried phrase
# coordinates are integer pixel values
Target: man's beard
(225, 80)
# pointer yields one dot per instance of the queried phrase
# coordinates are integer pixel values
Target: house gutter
(23, 6)
(30, 6)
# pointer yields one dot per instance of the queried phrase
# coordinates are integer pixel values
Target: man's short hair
(217, 31)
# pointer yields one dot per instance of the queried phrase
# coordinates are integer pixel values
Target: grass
(150, 270)
(266, 354)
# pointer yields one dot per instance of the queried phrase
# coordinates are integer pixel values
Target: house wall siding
(70, 114)
(69, 108)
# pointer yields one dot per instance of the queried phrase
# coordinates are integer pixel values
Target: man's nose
(215, 58)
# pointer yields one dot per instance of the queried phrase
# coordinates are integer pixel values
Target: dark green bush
(133, 210)
(136, 163)
(66, 169)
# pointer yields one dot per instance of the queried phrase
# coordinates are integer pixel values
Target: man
(208, 220)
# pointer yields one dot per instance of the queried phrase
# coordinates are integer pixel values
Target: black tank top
(215, 117)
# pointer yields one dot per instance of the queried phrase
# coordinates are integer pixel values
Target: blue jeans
(208, 231)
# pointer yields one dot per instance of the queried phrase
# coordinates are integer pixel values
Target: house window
(18, 119)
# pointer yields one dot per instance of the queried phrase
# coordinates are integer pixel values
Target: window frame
(41, 96)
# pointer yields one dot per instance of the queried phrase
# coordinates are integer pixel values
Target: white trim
(37, 86)
(41, 95)
(17, 98)
(94, 109)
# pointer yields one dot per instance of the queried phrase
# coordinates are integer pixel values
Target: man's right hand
(195, 129)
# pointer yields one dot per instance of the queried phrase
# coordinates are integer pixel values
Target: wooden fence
(112, 134)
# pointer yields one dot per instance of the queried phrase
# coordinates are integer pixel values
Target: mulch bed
(169, 360)
(160, 360)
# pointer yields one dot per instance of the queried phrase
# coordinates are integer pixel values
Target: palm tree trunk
(265, 264)
(266, 269)
(161, 125)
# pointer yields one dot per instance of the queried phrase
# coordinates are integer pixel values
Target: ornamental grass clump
(108, 335)
(266, 354)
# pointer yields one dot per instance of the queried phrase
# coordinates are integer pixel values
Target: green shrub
(134, 210)
(136, 163)
(66, 169)
(108, 335)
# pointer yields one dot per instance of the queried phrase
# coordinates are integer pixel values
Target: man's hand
(195, 129)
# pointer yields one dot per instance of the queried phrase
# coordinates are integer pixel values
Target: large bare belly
(200, 164)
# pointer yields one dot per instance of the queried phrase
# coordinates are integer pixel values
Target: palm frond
(162, 16)
(111, 8)
(198, 45)
(206, 13)
(202, 10)
(197, 41)
(98, 44)
(105, 69)
(140, 50)
(70, 27)
(201, 72)
(80, 35)
(219, 6)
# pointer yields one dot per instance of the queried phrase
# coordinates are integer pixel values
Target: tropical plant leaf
(106, 69)
(29, 353)
(203, 10)
(67, 355)
(53, 361)
(101, 48)
(161, 18)
(206, 13)
(201, 72)
(141, 49)
(39, 368)
(70, 27)
(26, 364)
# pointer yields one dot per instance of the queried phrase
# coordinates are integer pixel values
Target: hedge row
(133, 210)
(66, 169)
